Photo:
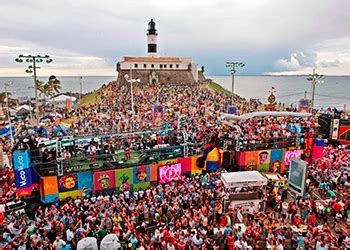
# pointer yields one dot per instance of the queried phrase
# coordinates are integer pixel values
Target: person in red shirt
(2, 218)
(297, 220)
(230, 241)
(311, 220)
(337, 207)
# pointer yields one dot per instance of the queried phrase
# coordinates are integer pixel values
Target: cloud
(330, 64)
(297, 61)
(65, 63)
(331, 57)
(198, 28)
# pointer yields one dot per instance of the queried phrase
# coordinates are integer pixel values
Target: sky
(86, 37)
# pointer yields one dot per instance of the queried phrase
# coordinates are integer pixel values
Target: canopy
(42, 131)
(26, 107)
(62, 98)
(6, 131)
(262, 114)
(23, 110)
(88, 243)
(111, 241)
(243, 179)
(59, 129)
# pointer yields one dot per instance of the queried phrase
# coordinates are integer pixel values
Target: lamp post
(131, 81)
(314, 78)
(8, 110)
(33, 60)
(81, 87)
(233, 68)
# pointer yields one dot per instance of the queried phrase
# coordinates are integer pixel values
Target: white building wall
(195, 72)
(140, 65)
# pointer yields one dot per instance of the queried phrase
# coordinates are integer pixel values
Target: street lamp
(314, 78)
(33, 60)
(131, 81)
(233, 68)
(8, 110)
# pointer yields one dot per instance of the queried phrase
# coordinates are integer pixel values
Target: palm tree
(40, 86)
(2, 97)
(53, 85)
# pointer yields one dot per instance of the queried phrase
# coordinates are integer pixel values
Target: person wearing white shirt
(69, 235)
(170, 246)
(279, 245)
(238, 244)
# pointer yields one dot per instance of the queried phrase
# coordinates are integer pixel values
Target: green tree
(53, 86)
(3, 96)
(40, 86)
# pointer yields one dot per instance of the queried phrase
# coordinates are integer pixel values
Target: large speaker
(226, 161)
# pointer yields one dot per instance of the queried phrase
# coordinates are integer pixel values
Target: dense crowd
(190, 113)
(190, 213)
(187, 214)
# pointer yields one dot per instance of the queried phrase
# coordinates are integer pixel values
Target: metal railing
(100, 161)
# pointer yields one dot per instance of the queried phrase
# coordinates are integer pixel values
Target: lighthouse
(154, 69)
(152, 39)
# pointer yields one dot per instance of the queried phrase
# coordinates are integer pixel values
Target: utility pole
(81, 87)
(130, 80)
(32, 69)
(8, 110)
(314, 78)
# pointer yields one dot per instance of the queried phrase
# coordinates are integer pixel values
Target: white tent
(88, 243)
(23, 109)
(243, 179)
(26, 107)
(110, 241)
(60, 100)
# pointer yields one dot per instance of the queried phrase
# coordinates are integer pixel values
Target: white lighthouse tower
(152, 39)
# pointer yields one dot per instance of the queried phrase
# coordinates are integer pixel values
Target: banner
(23, 178)
(317, 149)
(291, 154)
(269, 160)
(308, 148)
(124, 179)
(115, 180)
(142, 174)
(232, 110)
(67, 183)
(277, 161)
(104, 180)
(169, 173)
(68, 103)
(304, 105)
(158, 113)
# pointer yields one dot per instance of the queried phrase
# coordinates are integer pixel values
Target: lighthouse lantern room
(152, 39)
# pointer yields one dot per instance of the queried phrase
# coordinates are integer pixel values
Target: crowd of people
(188, 113)
(189, 213)
(185, 214)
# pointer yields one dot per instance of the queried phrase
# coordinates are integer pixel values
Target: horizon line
(211, 75)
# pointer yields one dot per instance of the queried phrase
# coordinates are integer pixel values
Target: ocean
(333, 92)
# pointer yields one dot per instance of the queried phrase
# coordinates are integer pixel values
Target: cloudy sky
(89, 37)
